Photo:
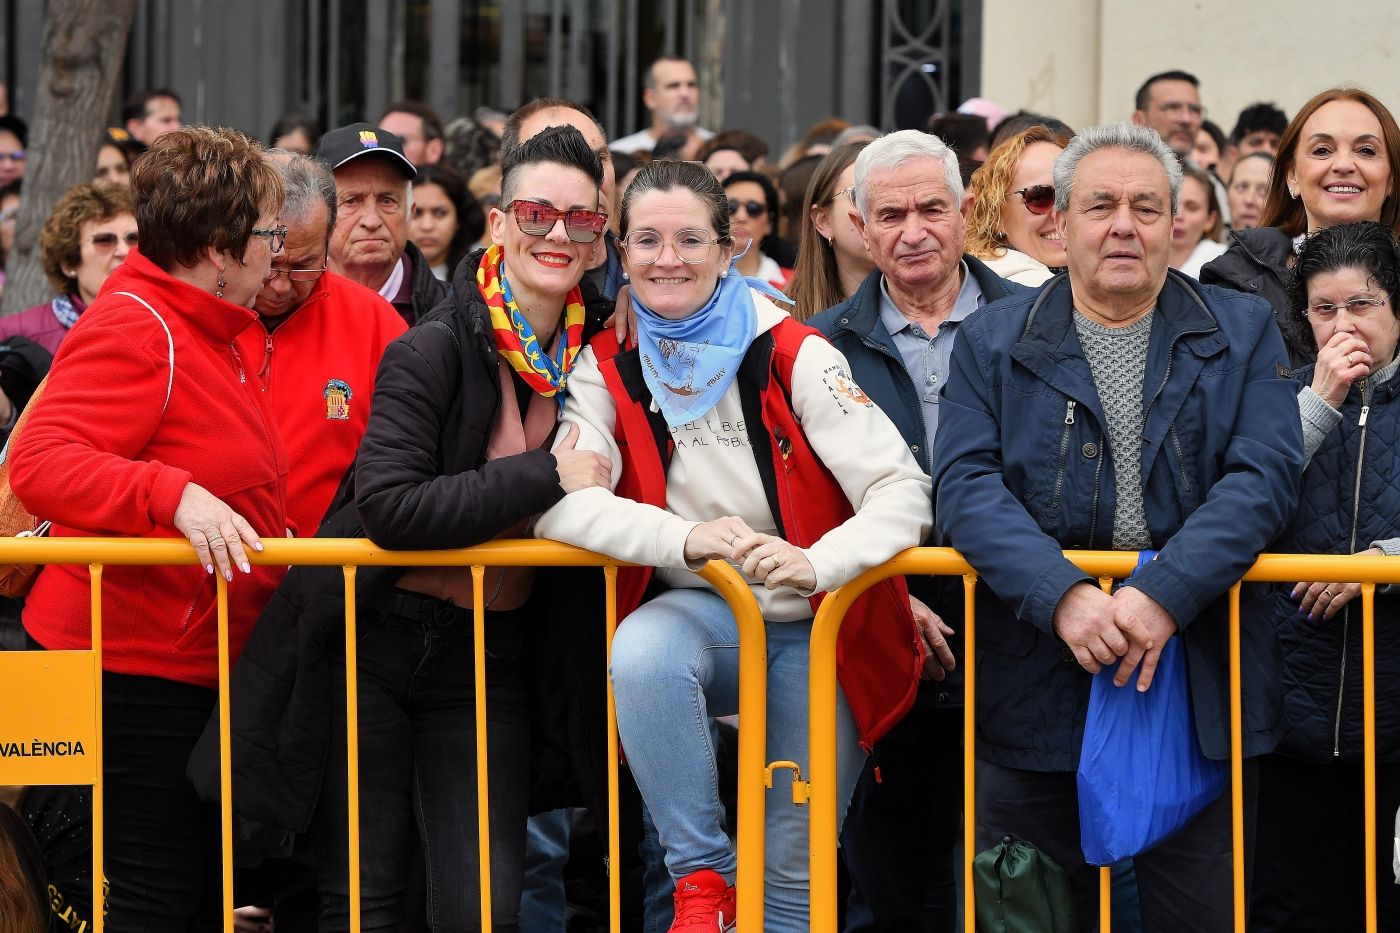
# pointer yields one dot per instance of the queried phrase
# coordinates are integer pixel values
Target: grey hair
(1127, 136)
(861, 132)
(893, 150)
(306, 182)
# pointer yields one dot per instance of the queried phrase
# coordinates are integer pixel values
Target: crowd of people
(1001, 334)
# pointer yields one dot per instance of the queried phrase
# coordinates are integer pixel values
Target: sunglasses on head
(754, 208)
(1038, 198)
(106, 241)
(536, 219)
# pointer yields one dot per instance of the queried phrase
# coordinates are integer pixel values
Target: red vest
(879, 653)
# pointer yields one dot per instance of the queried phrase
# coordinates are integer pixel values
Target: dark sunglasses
(754, 208)
(536, 219)
(106, 241)
(1039, 198)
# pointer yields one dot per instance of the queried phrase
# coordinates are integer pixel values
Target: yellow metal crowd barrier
(78, 711)
(1106, 566)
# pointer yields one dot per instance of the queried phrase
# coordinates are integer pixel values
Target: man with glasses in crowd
(1170, 103)
(897, 331)
(369, 240)
(318, 346)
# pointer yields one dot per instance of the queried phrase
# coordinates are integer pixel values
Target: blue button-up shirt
(926, 355)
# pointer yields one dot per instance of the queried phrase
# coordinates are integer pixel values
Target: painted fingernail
(209, 569)
(245, 567)
(257, 545)
(228, 575)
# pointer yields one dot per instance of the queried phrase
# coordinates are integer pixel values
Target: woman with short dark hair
(150, 425)
(1343, 292)
(456, 454)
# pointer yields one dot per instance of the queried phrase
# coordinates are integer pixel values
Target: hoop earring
(219, 285)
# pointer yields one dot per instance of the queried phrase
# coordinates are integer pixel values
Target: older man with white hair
(897, 332)
(1125, 407)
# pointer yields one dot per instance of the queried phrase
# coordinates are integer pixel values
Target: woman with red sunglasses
(1010, 225)
(456, 453)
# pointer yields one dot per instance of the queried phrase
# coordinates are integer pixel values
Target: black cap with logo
(362, 139)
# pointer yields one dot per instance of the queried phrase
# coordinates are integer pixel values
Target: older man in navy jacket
(897, 332)
(1124, 407)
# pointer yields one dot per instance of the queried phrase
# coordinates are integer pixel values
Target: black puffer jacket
(1257, 264)
(421, 481)
(1340, 512)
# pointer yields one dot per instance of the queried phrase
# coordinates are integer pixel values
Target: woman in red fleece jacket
(151, 425)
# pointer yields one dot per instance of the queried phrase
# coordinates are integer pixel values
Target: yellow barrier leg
(822, 773)
(352, 743)
(1237, 758)
(969, 750)
(1106, 871)
(99, 900)
(225, 757)
(1368, 723)
(483, 790)
(614, 839)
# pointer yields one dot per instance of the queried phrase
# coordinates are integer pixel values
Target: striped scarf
(515, 339)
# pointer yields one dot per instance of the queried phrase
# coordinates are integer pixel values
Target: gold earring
(219, 285)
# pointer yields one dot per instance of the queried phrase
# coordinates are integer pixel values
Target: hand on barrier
(1084, 621)
(934, 631)
(1325, 600)
(253, 920)
(1147, 626)
(715, 539)
(217, 532)
(580, 469)
(774, 562)
(1344, 359)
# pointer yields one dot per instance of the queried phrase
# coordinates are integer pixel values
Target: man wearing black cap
(369, 244)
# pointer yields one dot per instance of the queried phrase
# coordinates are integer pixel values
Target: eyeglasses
(848, 191)
(1038, 198)
(275, 237)
(18, 155)
(297, 275)
(1356, 307)
(536, 219)
(755, 209)
(108, 241)
(690, 246)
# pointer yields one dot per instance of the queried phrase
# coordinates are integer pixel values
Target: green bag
(1020, 889)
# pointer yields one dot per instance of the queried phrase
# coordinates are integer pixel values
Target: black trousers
(1309, 869)
(162, 842)
(1185, 882)
(901, 830)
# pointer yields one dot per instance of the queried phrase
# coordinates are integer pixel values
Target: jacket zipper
(1064, 453)
(1098, 475)
(1180, 463)
(262, 420)
(267, 361)
(1346, 613)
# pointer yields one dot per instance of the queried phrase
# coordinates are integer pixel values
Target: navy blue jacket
(854, 327)
(1020, 474)
(1322, 659)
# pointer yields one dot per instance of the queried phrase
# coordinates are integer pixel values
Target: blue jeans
(543, 905)
(418, 768)
(675, 665)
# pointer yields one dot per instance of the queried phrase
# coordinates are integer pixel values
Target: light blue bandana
(689, 364)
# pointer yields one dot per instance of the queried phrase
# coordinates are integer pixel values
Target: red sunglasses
(1039, 198)
(538, 219)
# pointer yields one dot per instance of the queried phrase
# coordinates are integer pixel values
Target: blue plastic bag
(1142, 775)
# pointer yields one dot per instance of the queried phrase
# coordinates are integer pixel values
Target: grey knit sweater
(1118, 360)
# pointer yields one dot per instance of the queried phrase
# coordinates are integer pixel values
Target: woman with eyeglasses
(1343, 293)
(1338, 162)
(1196, 225)
(732, 432)
(832, 259)
(1010, 226)
(85, 239)
(151, 425)
(753, 213)
(456, 452)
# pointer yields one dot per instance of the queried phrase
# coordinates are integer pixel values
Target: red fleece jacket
(317, 368)
(100, 457)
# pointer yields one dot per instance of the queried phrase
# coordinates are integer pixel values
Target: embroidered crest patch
(338, 395)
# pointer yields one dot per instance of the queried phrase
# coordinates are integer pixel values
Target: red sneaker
(704, 902)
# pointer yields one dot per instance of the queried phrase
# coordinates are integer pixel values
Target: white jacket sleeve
(595, 518)
(891, 494)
